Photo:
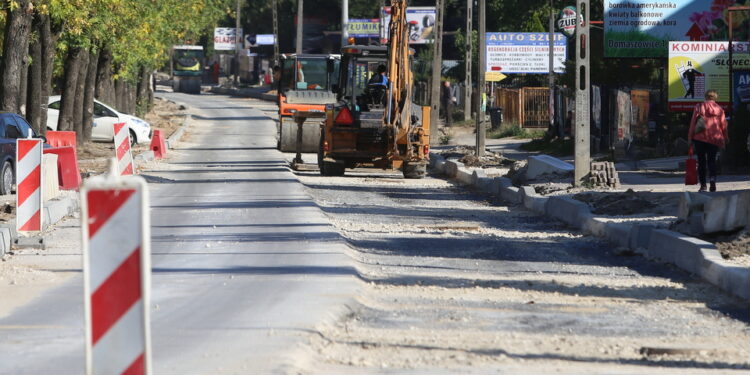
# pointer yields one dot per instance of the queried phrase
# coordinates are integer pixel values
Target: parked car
(104, 117)
(12, 127)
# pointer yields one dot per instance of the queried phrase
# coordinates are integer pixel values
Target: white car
(104, 119)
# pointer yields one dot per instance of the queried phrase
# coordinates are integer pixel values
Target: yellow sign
(494, 76)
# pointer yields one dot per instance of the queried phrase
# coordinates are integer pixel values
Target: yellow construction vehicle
(374, 122)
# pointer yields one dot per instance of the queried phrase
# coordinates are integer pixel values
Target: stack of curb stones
(604, 174)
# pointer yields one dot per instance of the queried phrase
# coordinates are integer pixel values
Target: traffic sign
(494, 76)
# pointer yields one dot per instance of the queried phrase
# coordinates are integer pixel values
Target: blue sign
(524, 52)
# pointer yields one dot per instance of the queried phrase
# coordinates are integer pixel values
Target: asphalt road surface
(244, 262)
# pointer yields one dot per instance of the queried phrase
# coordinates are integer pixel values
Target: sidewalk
(658, 175)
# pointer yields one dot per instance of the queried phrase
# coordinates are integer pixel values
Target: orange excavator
(373, 122)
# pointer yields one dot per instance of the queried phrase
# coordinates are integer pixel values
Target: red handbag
(691, 169)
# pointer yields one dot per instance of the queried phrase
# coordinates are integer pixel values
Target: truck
(304, 85)
(187, 68)
(376, 125)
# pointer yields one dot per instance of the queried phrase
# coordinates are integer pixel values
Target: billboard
(643, 28)
(364, 28)
(225, 38)
(421, 22)
(524, 52)
(696, 67)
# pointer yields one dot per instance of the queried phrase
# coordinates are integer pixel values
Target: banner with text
(696, 67)
(421, 22)
(225, 38)
(364, 28)
(524, 52)
(643, 28)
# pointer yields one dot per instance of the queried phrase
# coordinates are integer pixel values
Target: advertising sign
(642, 28)
(742, 89)
(225, 38)
(524, 52)
(364, 28)
(265, 39)
(566, 21)
(421, 22)
(695, 67)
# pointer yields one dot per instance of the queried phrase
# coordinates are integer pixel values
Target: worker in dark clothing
(377, 86)
(447, 101)
(379, 79)
(690, 75)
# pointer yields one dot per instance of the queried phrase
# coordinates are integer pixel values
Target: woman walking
(708, 133)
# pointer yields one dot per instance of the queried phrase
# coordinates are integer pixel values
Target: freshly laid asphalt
(245, 264)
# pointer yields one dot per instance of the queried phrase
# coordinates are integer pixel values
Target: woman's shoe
(712, 186)
(702, 188)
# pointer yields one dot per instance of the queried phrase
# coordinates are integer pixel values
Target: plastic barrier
(116, 269)
(61, 138)
(158, 145)
(29, 180)
(122, 149)
(67, 167)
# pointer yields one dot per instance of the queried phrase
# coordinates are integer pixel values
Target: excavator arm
(397, 117)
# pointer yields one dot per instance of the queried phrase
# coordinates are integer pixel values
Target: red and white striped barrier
(122, 149)
(29, 185)
(116, 249)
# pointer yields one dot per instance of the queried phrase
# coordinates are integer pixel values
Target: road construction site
(259, 269)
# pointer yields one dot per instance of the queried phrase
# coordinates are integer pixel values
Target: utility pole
(551, 68)
(437, 67)
(238, 38)
(467, 59)
(482, 68)
(344, 22)
(300, 16)
(583, 73)
(275, 33)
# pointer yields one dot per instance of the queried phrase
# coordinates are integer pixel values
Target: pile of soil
(467, 156)
(734, 246)
(630, 203)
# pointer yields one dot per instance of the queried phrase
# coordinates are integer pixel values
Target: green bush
(513, 130)
(554, 147)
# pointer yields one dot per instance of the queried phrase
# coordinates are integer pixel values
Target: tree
(19, 14)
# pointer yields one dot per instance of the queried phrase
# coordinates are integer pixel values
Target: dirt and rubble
(457, 284)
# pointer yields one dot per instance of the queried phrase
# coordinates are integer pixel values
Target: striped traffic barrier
(29, 185)
(116, 250)
(122, 149)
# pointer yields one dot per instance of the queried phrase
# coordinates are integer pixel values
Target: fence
(527, 107)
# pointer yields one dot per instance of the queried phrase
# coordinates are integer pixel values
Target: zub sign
(566, 22)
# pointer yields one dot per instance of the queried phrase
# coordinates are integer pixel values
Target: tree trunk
(48, 42)
(119, 95)
(105, 89)
(88, 95)
(34, 91)
(132, 99)
(143, 100)
(72, 66)
(15, 51)
(83, 64)
(24, 84)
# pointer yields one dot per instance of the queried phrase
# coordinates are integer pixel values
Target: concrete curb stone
(451, 168)
(464, 175)
(53, 211)
(568, 210)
